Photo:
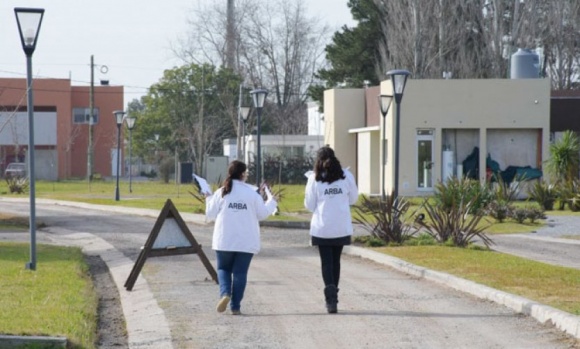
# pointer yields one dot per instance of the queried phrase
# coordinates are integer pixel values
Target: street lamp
(244, 112)
(399, 80)
(29, 20)
(384, 103)
(259, 96)
(119, 115)
(130, 125)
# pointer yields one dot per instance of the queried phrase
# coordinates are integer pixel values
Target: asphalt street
(384, 302)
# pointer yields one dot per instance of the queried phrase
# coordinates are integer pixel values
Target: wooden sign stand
(169, 236)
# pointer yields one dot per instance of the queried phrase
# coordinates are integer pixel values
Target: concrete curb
(7, 342)
(562, 320)
(147, 326)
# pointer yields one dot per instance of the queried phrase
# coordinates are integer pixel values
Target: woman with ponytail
(330, 191)
(237, 209)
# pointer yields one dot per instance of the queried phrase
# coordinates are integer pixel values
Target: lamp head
(259, 96)
(399, 80)
(29, 21)
(245, 113)
(385, 103)
(119, 114)
(130, 120)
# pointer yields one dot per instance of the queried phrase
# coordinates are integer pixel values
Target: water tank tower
(525, 64)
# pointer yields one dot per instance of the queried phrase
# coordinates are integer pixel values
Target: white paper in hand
(204, 188)
(270, 196)
(268, 193)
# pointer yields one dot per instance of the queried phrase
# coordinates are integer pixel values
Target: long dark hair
(327, 168)
(235, 171)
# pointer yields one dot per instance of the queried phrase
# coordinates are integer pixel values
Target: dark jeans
(330, 263)
(233, 275)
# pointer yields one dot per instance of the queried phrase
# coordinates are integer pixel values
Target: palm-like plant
(455, 224)
(385, 219)
(564, 157)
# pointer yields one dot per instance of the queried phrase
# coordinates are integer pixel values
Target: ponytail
(235, 171)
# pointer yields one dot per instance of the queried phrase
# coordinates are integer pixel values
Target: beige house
(443, 123)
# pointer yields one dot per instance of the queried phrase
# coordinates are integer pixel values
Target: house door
(425, 158)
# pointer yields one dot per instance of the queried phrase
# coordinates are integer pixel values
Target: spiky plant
(385, 219)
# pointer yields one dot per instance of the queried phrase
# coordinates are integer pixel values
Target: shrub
(17, 184)
(385, 219)
(455, 190)
(520, 214)
(284, 170)
(544, 194)
(454, 226)
(500, 210)
(535, 213)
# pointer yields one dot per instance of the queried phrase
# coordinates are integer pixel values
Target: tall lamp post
(384, 103)
(119, 115)
(130, 125)
(244, 113)
(399, 80)
(29, 20)
(259, 96)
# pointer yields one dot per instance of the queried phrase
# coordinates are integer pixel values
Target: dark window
(83, 115)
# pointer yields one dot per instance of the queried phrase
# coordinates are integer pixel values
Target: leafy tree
(354, 53)
(188, 109)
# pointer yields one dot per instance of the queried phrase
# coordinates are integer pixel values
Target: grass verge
(551, 285)
(58, 299)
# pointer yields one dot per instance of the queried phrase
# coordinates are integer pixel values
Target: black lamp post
(130, 125)
(384, 103)
(119, 115)
(244, 113)
(399, 80)
(259, 96)
(29, 21)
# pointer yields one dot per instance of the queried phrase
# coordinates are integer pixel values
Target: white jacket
(236, 218)
(330, 204)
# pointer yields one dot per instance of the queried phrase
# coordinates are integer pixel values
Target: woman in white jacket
(237, 209)
(330, 191)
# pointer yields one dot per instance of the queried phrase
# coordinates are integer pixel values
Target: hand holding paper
(204, 188)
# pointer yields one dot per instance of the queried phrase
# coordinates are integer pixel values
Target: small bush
(544, 194)
(456, 190)
(500, 210)
(520, 214)
(454, 226)
(17, 184)
(385, 220)
(535, 213)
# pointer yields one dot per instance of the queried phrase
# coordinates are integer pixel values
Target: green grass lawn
(58, 299)
(25, 292)
(544, 283)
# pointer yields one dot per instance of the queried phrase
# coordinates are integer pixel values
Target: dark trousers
(330, 263)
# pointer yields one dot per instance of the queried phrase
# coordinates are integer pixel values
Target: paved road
(284, 308)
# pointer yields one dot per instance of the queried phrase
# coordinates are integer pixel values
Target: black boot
(330, 293)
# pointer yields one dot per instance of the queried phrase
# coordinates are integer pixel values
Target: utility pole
(240, 140)
(91, 122)
(230, 36)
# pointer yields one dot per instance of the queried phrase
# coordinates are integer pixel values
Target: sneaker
(236, 312)
(222, 304)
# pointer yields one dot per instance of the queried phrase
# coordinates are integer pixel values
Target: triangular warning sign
(169, 236)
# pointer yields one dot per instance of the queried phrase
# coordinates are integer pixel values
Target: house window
(285, 151)
(83, 115)
(424, 167)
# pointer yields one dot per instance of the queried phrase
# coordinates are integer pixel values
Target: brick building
(61, 127)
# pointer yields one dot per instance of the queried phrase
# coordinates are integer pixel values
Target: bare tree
(278, 46)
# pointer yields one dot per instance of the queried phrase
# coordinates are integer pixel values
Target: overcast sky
(132, 38)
